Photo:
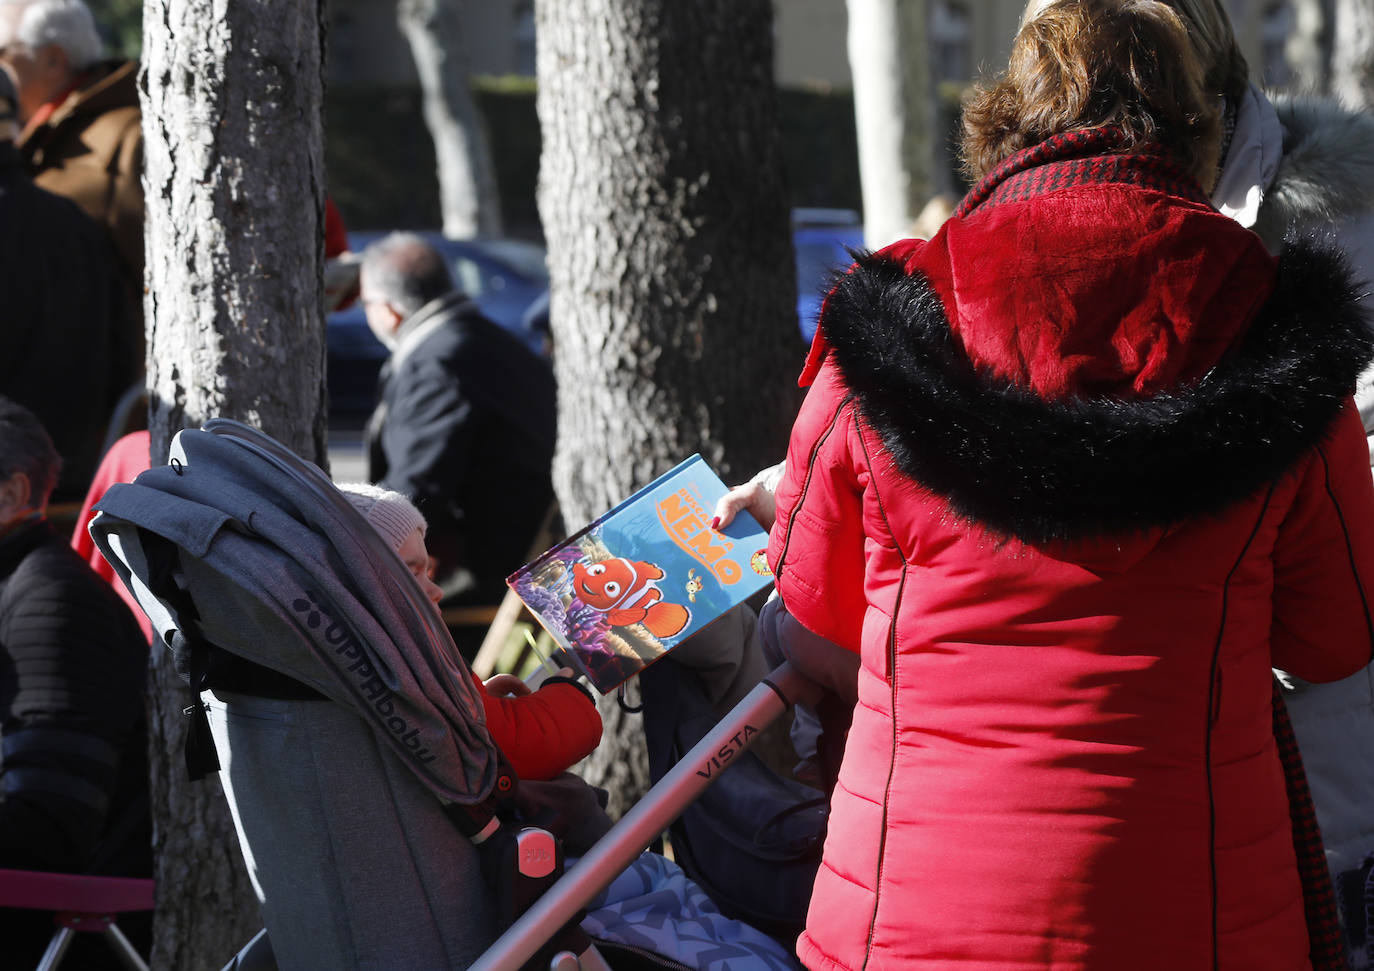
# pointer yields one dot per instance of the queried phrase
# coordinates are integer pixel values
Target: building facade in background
(968, 36)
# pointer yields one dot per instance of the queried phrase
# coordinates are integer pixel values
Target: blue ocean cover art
(645, 576)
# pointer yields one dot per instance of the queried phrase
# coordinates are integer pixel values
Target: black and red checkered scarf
(1326, 939)
(1079, 158)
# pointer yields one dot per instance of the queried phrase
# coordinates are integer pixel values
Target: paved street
(346, 462)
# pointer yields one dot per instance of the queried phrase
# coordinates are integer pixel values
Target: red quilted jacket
(1071, 477)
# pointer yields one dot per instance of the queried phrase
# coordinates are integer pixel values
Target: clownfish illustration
(694, 584)
(624, 590)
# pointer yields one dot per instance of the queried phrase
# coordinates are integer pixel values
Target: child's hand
(505, 684)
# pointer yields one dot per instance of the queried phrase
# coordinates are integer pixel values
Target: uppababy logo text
(354, 660)
(737, 744)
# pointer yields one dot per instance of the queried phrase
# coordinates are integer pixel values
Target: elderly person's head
(399, 274)
(45, 45)
(29, 464)
(1079, 65)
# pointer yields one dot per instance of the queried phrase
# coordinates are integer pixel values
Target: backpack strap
(190, 653)
(201, 756)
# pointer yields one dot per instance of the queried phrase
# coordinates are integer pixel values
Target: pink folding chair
(83, 905)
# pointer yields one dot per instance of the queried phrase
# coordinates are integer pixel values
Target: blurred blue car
(510, 282)
(822, 239)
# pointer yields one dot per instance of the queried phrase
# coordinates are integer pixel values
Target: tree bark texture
(232, 98)
(672, 282)
(1308, 49)
(894, 113)
(467, 178)
(1352, 68)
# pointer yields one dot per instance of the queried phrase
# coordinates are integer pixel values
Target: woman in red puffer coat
(1071, 476)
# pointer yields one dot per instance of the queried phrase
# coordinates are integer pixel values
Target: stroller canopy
(240, 544)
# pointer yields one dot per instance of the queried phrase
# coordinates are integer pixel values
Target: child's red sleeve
(545, 732)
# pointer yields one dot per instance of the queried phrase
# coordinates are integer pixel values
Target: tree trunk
(1352, 68)
(467, 177)
(234, 178)
(673, 288)
(894, 113)
(1309, 47)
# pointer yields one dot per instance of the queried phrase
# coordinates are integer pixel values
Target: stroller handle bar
(649, 817)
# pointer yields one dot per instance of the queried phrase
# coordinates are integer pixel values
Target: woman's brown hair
(1083, 64)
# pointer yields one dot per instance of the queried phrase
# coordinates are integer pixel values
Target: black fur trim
(1057, 470)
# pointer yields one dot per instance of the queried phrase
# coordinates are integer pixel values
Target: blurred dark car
(822, 239)
(507, 278)
(510, 282)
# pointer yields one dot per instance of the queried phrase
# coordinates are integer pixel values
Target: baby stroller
(238, 547)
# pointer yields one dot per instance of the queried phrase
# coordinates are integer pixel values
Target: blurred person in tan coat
(66, 328)
(81, 134)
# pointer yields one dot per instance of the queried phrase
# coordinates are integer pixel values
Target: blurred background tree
(469, 204)
(233, 150)
(895, 113)
(121, 25)
(673, 300)
(1352, 68)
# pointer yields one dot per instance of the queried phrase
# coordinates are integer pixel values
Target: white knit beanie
(390, 513)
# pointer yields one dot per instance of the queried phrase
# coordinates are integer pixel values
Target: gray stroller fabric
(284, 572)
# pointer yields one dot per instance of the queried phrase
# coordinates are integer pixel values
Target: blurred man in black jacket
(465, 420)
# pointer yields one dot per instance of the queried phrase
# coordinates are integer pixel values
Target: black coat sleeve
(72, 680)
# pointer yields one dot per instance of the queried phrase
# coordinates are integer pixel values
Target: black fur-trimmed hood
(1042, 470)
